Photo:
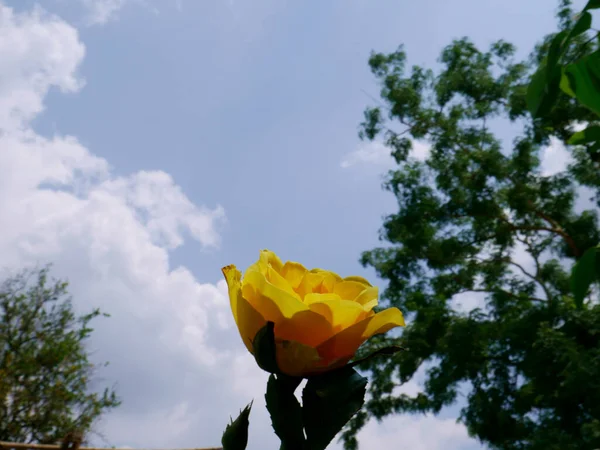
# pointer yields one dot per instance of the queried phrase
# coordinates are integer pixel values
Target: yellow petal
(358, 279)
(293, 272)
(368, 298)
(349, 290)
(266, 259)
(247, 318)
(340, 313)
(323, 310)
(270, 258)
(317, 281)
(328, 280)
(299, 360)
(273, 303)
(370, 305)
(277, 280)
(329, 272)
(346, 342)
(296, 359)
(308, 284)
(307, 327)
(312, 298)
(316, 302)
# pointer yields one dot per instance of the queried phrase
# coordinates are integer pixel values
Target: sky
(145, 144)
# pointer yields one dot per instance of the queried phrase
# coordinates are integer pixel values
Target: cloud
(378, 154)
(33, 59)
(175, 355)
(417, 433)
(554, 158)
(170, 338)
(100, 12)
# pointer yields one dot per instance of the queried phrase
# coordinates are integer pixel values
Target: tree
(479, 217)
(44, 367)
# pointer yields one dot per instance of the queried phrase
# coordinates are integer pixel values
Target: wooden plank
(18, 446)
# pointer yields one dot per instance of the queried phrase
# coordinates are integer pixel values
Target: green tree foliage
(44, 367)
(479, 217)
(578, 77)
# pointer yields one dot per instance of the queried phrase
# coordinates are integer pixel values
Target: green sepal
(235, 436)
(264, 348)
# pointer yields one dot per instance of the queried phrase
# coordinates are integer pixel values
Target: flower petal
(318, 281)
(293, 272)
(340, 313)
(312, 298)
(266, 259)
(273, 303)
(277, 280)
(271, 258)
(349, 290)
(368, 298)
(296, 359)
(328, 280)
(347, 341)
(358, 279)
(247, 318)
(307, 327)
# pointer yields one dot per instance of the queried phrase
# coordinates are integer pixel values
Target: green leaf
(264, 348)
(392, 349)
(584, 79)
(584, 273)
(592, 4)
(542, 91)
(285, 411)
(555, 51)
(535, 91)
(583, 24)
(589, 135)
(564, 84)
(329, 402)
(235, 436)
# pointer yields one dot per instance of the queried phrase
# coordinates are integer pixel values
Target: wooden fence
(16, 446)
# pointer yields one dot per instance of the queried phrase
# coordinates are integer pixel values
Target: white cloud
(554, 158)
(417, 433)
(175, 354)
(100, 12)
(170, 337)
(376, 153)
(34, 58)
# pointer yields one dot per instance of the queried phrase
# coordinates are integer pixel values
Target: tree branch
(526, 241)
(556, 229)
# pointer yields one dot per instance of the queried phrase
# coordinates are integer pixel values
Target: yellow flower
(320, 318)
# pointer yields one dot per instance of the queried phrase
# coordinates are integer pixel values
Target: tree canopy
(45, 371)
(479, 216)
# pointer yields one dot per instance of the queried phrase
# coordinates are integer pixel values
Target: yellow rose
(320, 318)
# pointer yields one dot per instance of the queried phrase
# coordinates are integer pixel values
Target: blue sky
(254, 107)
(147, 143)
